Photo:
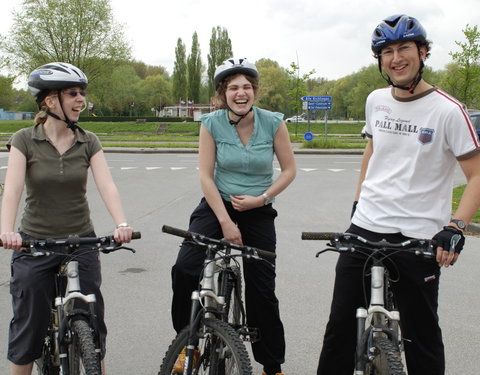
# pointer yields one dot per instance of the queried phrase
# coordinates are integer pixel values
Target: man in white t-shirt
(417, 134)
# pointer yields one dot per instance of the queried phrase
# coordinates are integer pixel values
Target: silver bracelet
(122, 225)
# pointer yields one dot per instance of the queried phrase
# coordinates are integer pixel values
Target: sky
(331, 37)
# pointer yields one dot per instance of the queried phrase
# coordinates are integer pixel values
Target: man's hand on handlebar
(450, 243)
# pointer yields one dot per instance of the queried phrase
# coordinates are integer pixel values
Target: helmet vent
(393, 23)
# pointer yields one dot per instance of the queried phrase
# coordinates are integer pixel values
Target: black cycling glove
(450, 239)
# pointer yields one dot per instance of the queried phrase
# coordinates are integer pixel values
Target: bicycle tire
(81, 352)
(387, 361)
(214, 337)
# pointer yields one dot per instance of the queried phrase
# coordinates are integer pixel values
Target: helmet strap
(414, 83)
(70, 124)
(241, 117)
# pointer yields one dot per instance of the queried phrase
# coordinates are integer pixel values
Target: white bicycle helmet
(234, 66)
(55, 76)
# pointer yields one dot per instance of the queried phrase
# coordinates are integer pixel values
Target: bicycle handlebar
(202, 239)
(73, 241)
(424, 247)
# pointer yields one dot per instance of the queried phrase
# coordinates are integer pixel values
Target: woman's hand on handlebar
(123, 234)
(231, 233)
(11, 240)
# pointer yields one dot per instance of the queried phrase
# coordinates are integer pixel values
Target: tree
(152, 93)
(114, 93)
(80, 32)
(179, 77)
(7, 97)
(297, 86)
(464, 82)
(220, 50)
(194, 70)
(274, 84)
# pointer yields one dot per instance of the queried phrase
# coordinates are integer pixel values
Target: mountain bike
(213, 341)
(379, 342)
(71, 346)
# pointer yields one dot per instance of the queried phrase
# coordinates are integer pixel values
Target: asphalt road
(162, 189)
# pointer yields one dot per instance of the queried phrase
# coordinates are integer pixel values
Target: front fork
(382, 322)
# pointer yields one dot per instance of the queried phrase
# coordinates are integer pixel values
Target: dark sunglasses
(74, 93)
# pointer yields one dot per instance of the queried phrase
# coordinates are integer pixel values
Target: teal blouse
(239, 169)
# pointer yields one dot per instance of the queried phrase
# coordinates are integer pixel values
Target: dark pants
(416, 295)
(32, 288)
(258, 230)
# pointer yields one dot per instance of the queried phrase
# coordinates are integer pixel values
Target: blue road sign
(324, 99)
(308, 136)
(319, 105)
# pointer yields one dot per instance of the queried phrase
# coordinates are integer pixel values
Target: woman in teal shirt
(237, 146)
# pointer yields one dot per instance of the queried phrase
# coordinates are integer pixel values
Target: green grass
(151, 145)
(457, 195)
(333, 142)
(114, 133)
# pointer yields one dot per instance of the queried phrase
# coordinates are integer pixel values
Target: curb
(160, 150)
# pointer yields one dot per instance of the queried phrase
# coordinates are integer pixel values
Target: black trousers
(416, 295)
(258, 230)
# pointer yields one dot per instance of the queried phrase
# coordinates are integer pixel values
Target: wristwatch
(460, 223)
(266, 199)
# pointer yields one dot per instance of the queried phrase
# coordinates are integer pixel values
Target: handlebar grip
(25, 243)
(266, 254)
(321, 236)
(136, 235)
(176, 231)
(87, 240)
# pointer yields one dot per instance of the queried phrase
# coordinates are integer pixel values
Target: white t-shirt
(416, 144)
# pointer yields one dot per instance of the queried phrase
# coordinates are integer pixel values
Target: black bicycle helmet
(397, 28)
(234, 66)
(55, 76)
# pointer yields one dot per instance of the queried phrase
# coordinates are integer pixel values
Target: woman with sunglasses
(52, 159)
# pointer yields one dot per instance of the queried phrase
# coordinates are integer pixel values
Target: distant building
(11, 115)
(184, 110)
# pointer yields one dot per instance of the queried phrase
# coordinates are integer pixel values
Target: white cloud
(332, 37)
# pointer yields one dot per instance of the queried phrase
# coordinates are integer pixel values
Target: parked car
(296, 119)
(475, 118)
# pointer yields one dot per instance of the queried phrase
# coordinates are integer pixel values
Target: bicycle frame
(208, 302)
(66, 319)
(378, 339)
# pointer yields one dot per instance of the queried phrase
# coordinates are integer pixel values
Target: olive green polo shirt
(56, 205)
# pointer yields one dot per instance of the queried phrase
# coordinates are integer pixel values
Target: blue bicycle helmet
(397, 28)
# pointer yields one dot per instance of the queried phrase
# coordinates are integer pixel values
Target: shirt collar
(39, 134)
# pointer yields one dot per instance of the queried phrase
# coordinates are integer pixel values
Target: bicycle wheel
(82, 357)
(221, 352)
(387, 361)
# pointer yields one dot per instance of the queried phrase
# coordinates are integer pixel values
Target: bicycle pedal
(248, 334)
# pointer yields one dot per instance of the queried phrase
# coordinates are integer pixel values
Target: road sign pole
(326, 126)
